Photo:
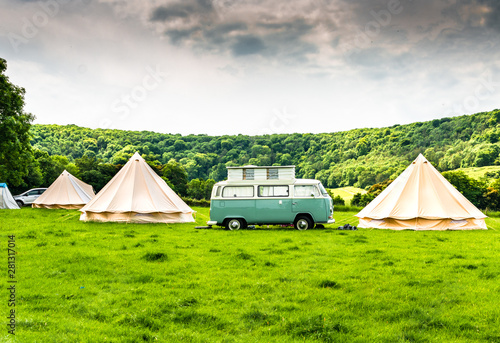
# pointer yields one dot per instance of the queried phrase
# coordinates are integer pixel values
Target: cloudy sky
(251, 66)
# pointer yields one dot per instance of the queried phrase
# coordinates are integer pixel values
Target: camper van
(269, 195)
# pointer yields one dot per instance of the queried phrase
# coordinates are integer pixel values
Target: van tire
(235, 224)
(19, 203)
(303, 223)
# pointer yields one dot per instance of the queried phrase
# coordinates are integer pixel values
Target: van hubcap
(302, 224)
(234, 224)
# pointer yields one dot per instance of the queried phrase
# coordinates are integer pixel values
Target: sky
(254, 67)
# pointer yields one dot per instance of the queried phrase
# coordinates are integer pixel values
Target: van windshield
(306, 191)
(322, 189)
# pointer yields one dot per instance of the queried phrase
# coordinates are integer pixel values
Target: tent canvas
(421, 199)
(6, 199)
(136, 194)
(66, 192)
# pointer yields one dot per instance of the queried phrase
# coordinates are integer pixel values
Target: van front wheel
(302, 223)
(235, 224)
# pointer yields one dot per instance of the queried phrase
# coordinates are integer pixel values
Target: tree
(492, 199)
(361, 200)
(200, 189)
(15, 148)
(52, 166)
(377, 188)
(472, 189)
(174, 172)
(179, 145)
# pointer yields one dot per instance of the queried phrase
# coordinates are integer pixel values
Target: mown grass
(479, 172)
(347, 193)
(95, 282)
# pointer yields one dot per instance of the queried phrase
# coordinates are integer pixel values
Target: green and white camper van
(254, 195)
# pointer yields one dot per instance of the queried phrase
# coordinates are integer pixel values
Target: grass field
(479, 172)
(95, 282)
(347, 193)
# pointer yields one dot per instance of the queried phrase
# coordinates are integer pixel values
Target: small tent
(66, 192)
(421, 199)
(136, 194)
(6, 199)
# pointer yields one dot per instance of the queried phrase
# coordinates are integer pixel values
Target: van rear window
(237, 192)
(273, 191)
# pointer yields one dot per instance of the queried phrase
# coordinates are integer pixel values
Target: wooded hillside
(360, 157)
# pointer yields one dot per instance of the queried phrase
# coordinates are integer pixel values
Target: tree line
(44, 169)
(360, 157)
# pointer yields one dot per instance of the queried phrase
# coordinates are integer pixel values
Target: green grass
(479, 172)
(347, 193)
(95, 282)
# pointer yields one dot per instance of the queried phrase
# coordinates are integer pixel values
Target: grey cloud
(258, 32)
(247, 45)
(473, 14)
(293, 32)
(445, 32)
(221, 30)
(492, 17)
(166, 13)
(426, 16)
(182, 10)
(178, 36)
(295, 27)
(205, 4)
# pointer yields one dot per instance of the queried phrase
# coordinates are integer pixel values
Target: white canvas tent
(6, 199)
(66, 192)
(421, 199)
(136, 194)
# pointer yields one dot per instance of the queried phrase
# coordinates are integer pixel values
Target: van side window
(237, 192)
(273, 191)
(272, 174)
(306, 191)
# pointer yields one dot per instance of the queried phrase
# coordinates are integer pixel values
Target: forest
(191, 164)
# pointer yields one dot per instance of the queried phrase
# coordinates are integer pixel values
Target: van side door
(274, 204)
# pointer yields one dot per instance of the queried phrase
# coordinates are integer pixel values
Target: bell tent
(6, 199)
(421, 199)
(136, 194)
(66, 192)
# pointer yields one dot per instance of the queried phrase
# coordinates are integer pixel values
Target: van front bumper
(211, 223)
(331, 221)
